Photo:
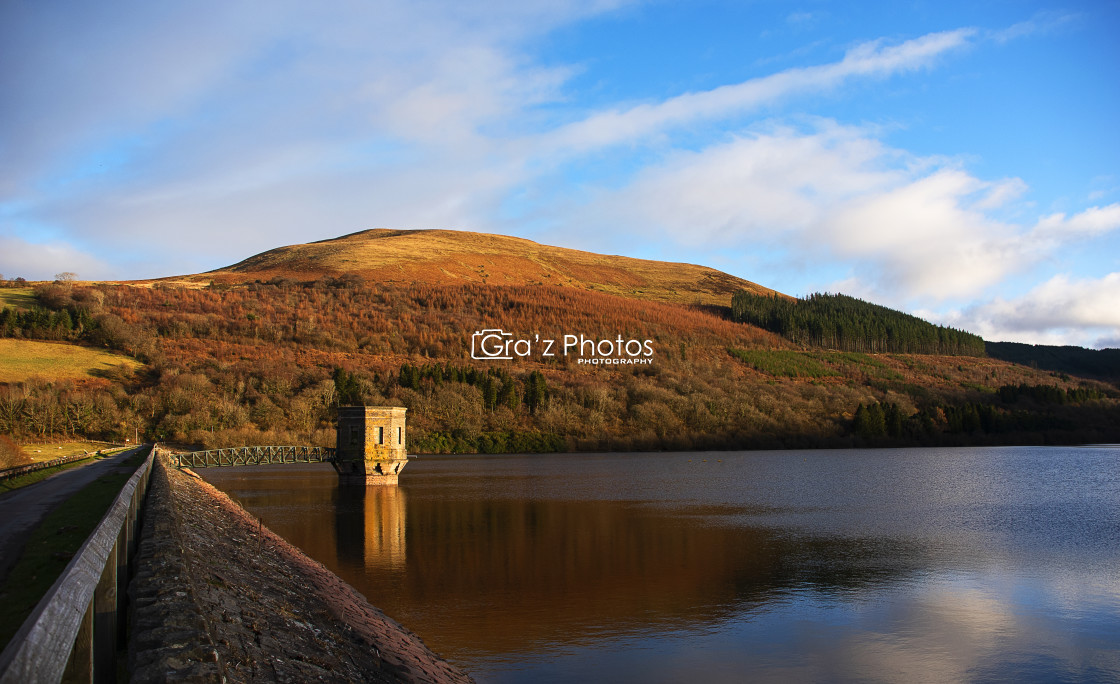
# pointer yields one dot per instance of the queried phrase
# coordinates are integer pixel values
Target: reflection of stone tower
(370, 445)
(385, 515)
(370, 525)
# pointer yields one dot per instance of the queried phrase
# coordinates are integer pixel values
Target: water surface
(981, 564)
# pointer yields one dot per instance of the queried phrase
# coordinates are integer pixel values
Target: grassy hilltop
(446, 257)
(263, 351)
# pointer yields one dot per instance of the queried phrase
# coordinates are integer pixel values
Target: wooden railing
(76, 629)
(16, 471)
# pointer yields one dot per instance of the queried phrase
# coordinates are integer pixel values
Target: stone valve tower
(370, 445)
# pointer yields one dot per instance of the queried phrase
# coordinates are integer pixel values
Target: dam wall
(219, 597)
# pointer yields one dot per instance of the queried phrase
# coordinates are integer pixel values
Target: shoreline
(213, 601)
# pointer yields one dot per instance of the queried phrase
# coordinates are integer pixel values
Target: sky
(956, 160)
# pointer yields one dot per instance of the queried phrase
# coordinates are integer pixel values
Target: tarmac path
(23, 509)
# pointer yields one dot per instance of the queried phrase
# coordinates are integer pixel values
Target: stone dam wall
(212, 602)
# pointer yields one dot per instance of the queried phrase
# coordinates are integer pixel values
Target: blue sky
(958, 160)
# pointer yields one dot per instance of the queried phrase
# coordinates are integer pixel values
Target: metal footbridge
(253, 455)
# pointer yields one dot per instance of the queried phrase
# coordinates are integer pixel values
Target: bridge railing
(252, 455)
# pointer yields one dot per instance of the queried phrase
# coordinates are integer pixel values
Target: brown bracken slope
(448, 257)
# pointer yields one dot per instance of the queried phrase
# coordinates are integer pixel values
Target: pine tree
(536, 391)
(508, 396)
(893, 417)
(490, 394)
(347, 388)
(870, 421)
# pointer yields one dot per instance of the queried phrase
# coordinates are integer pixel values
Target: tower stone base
(370, 445)
(390, 471)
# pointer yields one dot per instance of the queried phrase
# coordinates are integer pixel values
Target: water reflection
(370, 528)
(513, 575)
(920, 567)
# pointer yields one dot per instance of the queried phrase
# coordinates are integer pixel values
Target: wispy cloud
(869, 60)
(1040, 23)
(201, 134)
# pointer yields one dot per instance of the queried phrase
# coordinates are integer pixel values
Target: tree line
(73, 314)
(1021, 409)
(496, 385)
(1092, 363)
(836, 321)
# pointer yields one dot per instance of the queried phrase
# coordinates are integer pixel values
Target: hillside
(269, 362)
(447, 257)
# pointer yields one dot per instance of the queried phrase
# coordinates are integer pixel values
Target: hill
(263, 352)
(448, 257)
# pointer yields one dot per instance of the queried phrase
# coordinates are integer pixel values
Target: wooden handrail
(75, 629)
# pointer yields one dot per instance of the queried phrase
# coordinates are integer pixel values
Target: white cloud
(910, 229)
(41, 261)
(926, 237)
(200, 136)
(1091, 222)
(1062, 310)
(754, 187)
(835, 192)
(170, 78)
(1000, 193)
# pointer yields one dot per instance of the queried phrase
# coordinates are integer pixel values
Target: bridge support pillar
(370, 445)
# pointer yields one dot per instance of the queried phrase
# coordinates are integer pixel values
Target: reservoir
(948, 564)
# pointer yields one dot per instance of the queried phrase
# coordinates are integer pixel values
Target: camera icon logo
(490, 344)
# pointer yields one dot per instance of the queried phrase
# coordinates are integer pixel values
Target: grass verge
(45, 451)
(51, 546)
(40, 475)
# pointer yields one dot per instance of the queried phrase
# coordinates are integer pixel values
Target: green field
(18, 297)
(22, 360)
